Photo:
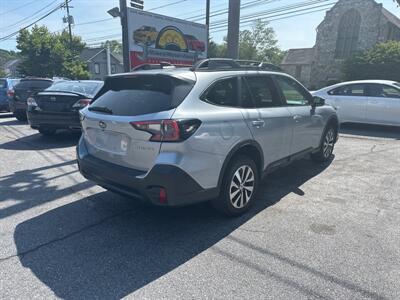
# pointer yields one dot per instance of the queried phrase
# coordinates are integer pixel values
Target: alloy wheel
(329, 143)
(242, 186)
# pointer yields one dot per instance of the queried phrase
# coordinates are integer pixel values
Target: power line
(16, 8)
(33, 23)
(282, 10)
(166, 5)
(30, 16)
(276, 19)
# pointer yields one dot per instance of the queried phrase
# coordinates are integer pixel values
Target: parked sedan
(58, 106)
(22, 91)
(6, 91)
(366, 101)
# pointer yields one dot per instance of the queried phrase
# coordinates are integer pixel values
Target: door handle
(258, 123)
(297, 118)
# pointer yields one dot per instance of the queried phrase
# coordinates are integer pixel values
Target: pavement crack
(23, 253)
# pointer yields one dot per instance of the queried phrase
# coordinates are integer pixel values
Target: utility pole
(69, 23)
(233, 29)
(208, 23)
(125, 35)
(108, 59)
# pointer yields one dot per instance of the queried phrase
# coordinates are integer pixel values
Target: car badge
(53, 98)
(102, 125)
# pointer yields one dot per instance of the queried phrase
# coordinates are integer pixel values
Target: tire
(327, 145)
(20, 116)
(235, 199)
(47, 131)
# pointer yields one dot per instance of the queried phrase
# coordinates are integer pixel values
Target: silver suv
(180, 136)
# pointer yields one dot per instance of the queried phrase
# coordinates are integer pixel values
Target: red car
(194, 44)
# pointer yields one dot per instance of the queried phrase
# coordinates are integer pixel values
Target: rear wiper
(101, 109)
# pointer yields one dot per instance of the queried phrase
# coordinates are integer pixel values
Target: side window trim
(202, 96)
(243, 81)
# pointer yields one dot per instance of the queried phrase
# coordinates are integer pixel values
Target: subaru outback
(179, 136)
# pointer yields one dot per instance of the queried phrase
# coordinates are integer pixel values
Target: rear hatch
(57, 101)
(125, 102)
(27, 88)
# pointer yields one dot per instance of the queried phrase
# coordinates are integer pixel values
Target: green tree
(46, 54)
(258, 43)
(380, 62)
(115, 46)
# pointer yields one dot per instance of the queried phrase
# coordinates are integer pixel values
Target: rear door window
(263, 90)
(143, 94)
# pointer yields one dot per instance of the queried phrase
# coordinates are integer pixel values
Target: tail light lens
(81, 103)
(168, 130)
(10, 93)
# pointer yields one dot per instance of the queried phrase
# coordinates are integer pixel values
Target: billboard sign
(154, 38)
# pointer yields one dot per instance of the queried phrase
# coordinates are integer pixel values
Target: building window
(97, 68)
(113, 69)
(348, 32)
(298, 72)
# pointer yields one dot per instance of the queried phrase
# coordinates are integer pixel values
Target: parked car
(145, 34)
(22, 91)
(194, 44)
(365, 101)
(180, 136)
(6, 91)
(57, 106)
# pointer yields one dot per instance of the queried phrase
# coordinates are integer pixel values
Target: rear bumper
(17, 106)
(181, 188)
(39, 119)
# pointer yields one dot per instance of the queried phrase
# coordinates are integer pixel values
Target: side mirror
(317, 101)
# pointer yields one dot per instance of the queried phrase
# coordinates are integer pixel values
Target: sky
(294, 32)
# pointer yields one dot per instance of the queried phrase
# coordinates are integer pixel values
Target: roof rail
(147, 66)
(221, 64)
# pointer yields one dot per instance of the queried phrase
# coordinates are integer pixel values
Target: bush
(381, 62)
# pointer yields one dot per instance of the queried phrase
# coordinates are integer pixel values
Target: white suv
(179, 136)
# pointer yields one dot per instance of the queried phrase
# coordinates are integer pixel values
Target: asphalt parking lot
(317, 231)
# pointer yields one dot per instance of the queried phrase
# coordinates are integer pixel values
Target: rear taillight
(168, 130)
(10, 93)
(82, 103)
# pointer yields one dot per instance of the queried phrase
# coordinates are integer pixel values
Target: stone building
(349, 26)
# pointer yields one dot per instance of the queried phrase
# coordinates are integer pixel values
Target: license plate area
(108, 141)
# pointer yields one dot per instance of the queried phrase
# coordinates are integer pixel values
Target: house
(96, 58)
(349, 26)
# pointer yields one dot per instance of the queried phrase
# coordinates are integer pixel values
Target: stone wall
(326, 69)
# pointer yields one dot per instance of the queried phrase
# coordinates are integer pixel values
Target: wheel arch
(248, 148)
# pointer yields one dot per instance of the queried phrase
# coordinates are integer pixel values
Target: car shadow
(368, 130)
(108, 246)
(33, 187)
(36, 141)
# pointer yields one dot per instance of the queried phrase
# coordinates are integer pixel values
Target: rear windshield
(3, 83)
(85, 88)
(143, 94)
(34, 84)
